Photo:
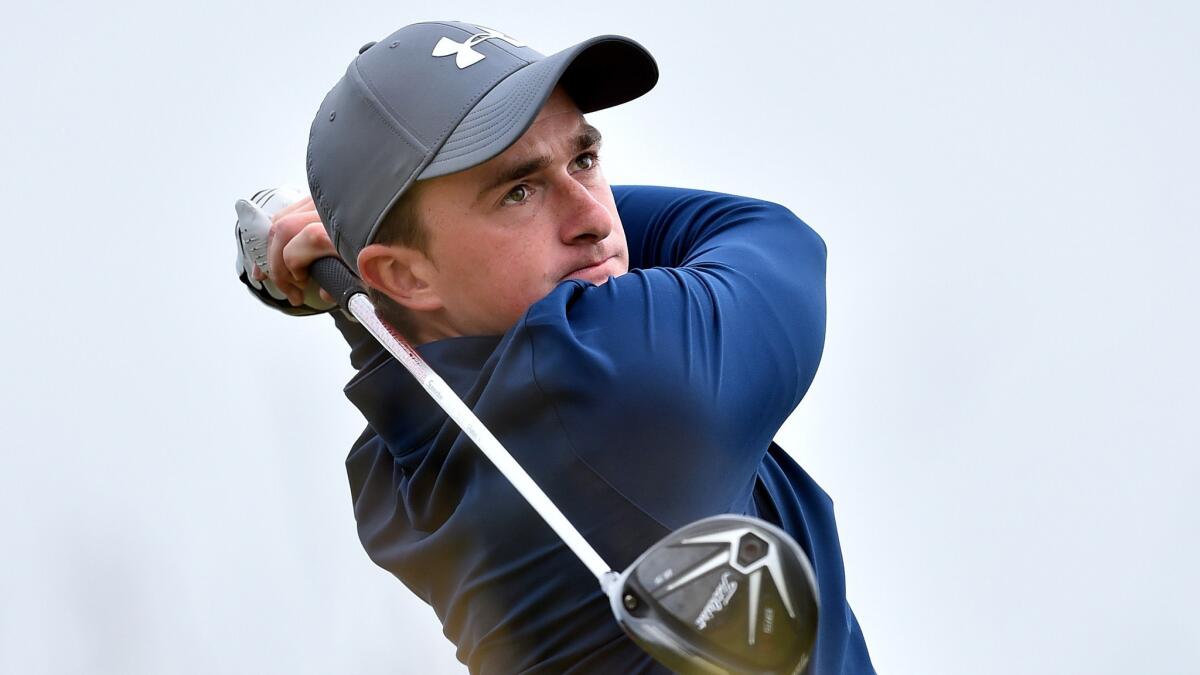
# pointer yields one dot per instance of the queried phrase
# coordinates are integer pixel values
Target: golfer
(635, 348)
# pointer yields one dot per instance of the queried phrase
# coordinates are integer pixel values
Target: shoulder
(669, 226)
(666, 198)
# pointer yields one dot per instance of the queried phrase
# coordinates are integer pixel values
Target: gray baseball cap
(439, 97)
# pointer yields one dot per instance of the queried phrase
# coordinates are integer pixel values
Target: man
(635, 349)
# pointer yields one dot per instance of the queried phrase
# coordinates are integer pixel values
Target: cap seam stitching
(474, 144)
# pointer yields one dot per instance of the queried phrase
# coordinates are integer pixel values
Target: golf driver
(726, 594)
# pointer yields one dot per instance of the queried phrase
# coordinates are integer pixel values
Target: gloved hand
(252, 229)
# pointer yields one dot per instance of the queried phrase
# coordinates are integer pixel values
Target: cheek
(500, 276)
(618, 241)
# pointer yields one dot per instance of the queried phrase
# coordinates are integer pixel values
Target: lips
(591, 267)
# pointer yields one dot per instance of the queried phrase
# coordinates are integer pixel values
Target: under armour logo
(465, 55)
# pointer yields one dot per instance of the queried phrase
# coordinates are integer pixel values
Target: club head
(727, 594)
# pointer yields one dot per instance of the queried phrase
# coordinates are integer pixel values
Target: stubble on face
(506, 232)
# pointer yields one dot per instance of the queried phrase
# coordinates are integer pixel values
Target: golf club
(680, 600)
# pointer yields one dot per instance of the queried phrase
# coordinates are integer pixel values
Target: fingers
(296, 239)
(309, 244)
(305, 204)
(282, 232)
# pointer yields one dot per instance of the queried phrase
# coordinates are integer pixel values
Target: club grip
(336, 278)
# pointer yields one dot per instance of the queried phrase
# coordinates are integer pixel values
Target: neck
(432, 326)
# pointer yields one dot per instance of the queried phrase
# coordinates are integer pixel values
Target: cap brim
(597, 73)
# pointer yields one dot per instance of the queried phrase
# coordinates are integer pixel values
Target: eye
(586, 161)
(517, 195)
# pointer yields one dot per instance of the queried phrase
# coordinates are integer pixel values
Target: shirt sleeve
(671, 381)
(365, 351)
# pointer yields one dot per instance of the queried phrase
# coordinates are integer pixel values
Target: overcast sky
(1006, 413)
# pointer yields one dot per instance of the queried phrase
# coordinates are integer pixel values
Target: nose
(585, 218)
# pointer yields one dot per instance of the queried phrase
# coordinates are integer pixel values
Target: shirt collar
(398, 408)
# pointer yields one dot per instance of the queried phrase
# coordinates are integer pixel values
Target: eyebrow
(588, 137)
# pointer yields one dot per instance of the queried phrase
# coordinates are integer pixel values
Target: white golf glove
(253, 226)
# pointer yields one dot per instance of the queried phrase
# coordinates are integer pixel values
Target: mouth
(590, 272)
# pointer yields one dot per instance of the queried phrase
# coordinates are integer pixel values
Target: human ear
(403, 274)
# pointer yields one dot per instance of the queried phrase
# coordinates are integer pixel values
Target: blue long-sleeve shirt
(638, 406)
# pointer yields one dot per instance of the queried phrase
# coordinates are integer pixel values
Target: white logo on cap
(467, 56)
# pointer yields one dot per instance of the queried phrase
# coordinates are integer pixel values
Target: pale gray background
(1005, 414)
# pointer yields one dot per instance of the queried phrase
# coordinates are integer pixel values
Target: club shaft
(363, 310)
